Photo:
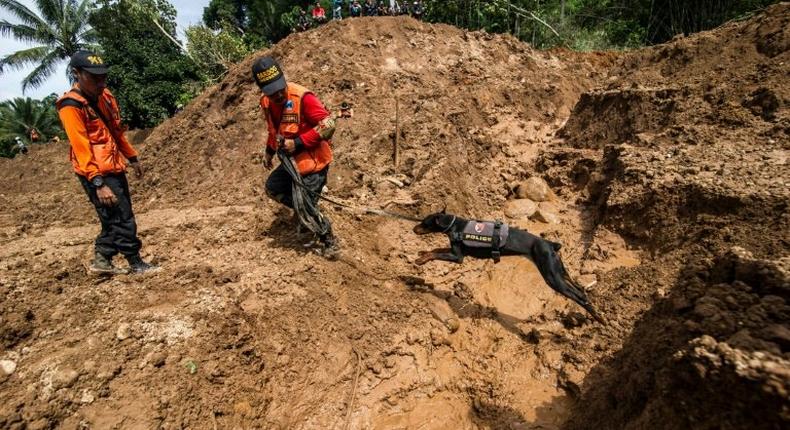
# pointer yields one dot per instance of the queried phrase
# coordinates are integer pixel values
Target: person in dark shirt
(303, 21)
(417, 10)
(370, 9)
(355, 9)
(337, 9)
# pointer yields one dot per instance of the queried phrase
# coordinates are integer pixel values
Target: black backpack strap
(495, 254)
(100, 114)
(70, 102)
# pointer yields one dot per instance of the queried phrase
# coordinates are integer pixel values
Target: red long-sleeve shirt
(313, 111)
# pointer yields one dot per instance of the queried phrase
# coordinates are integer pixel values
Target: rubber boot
(137, 265)
(103, 264)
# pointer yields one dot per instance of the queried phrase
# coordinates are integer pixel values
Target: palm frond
(43, 71)
(52, 10)
(88, 36)
(22, 32)
(20, 115)
(24, 14)
(61, 28)
(25, 57)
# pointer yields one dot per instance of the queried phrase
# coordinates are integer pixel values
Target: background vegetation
(153, 74)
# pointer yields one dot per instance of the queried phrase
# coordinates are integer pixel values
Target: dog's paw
(424, 258)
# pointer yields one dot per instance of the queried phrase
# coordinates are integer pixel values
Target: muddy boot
(137, 265)
(102, 264)
(330, 248)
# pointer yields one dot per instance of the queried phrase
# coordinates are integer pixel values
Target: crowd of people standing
(358, 8)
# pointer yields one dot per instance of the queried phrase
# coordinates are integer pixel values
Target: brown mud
(669, 177)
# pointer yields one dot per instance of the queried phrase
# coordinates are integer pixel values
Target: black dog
(469, 238)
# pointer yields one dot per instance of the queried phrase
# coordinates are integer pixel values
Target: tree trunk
(172, 39)
(562, 13)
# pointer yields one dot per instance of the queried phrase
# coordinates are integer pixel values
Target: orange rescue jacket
(309, 160)
(97, 148)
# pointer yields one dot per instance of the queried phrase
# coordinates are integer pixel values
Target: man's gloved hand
(267, 161)
(106, 196)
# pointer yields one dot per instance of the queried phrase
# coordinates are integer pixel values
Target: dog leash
(284, 158)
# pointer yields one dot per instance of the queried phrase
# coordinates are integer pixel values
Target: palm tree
(61, 28)
(20, 116)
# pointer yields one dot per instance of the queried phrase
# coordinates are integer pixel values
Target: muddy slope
(685, 154)
(661, 162)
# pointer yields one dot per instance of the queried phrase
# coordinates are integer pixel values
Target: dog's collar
(450, 225)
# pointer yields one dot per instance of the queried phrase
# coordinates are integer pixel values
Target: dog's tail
(554, 273)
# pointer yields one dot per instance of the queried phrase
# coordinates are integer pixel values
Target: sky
(189, 12)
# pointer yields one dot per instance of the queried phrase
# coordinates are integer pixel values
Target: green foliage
(590, 24)
(148, 70)
(261, 22)
(290, 18)
(59, 29)
(220, 14)
(215, 51)
(18, 117)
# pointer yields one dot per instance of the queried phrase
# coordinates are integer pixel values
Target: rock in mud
(65, 378)
(535, 189)
(546, 213)
(124, 331)
(87, 397)
(452, 324)
(439, 337)
(7, 368)
(520, 209)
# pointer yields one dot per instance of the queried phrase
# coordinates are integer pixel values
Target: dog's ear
(444, 221)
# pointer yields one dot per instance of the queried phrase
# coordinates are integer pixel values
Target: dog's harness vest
(484, 234)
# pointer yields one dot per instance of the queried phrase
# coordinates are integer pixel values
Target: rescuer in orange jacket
(99, 151)
(304, 127)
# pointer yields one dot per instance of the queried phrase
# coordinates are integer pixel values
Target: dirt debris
(668, 170)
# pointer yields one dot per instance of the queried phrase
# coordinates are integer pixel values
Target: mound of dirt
(715, 353)
(659, 162)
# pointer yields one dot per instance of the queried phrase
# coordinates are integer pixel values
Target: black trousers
(279, 186)
(118, 226)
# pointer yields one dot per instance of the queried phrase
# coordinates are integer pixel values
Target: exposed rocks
(7, 368)
(535, 189)
(547, 213)
(124, 331)
(65, 378)
(520, 209)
